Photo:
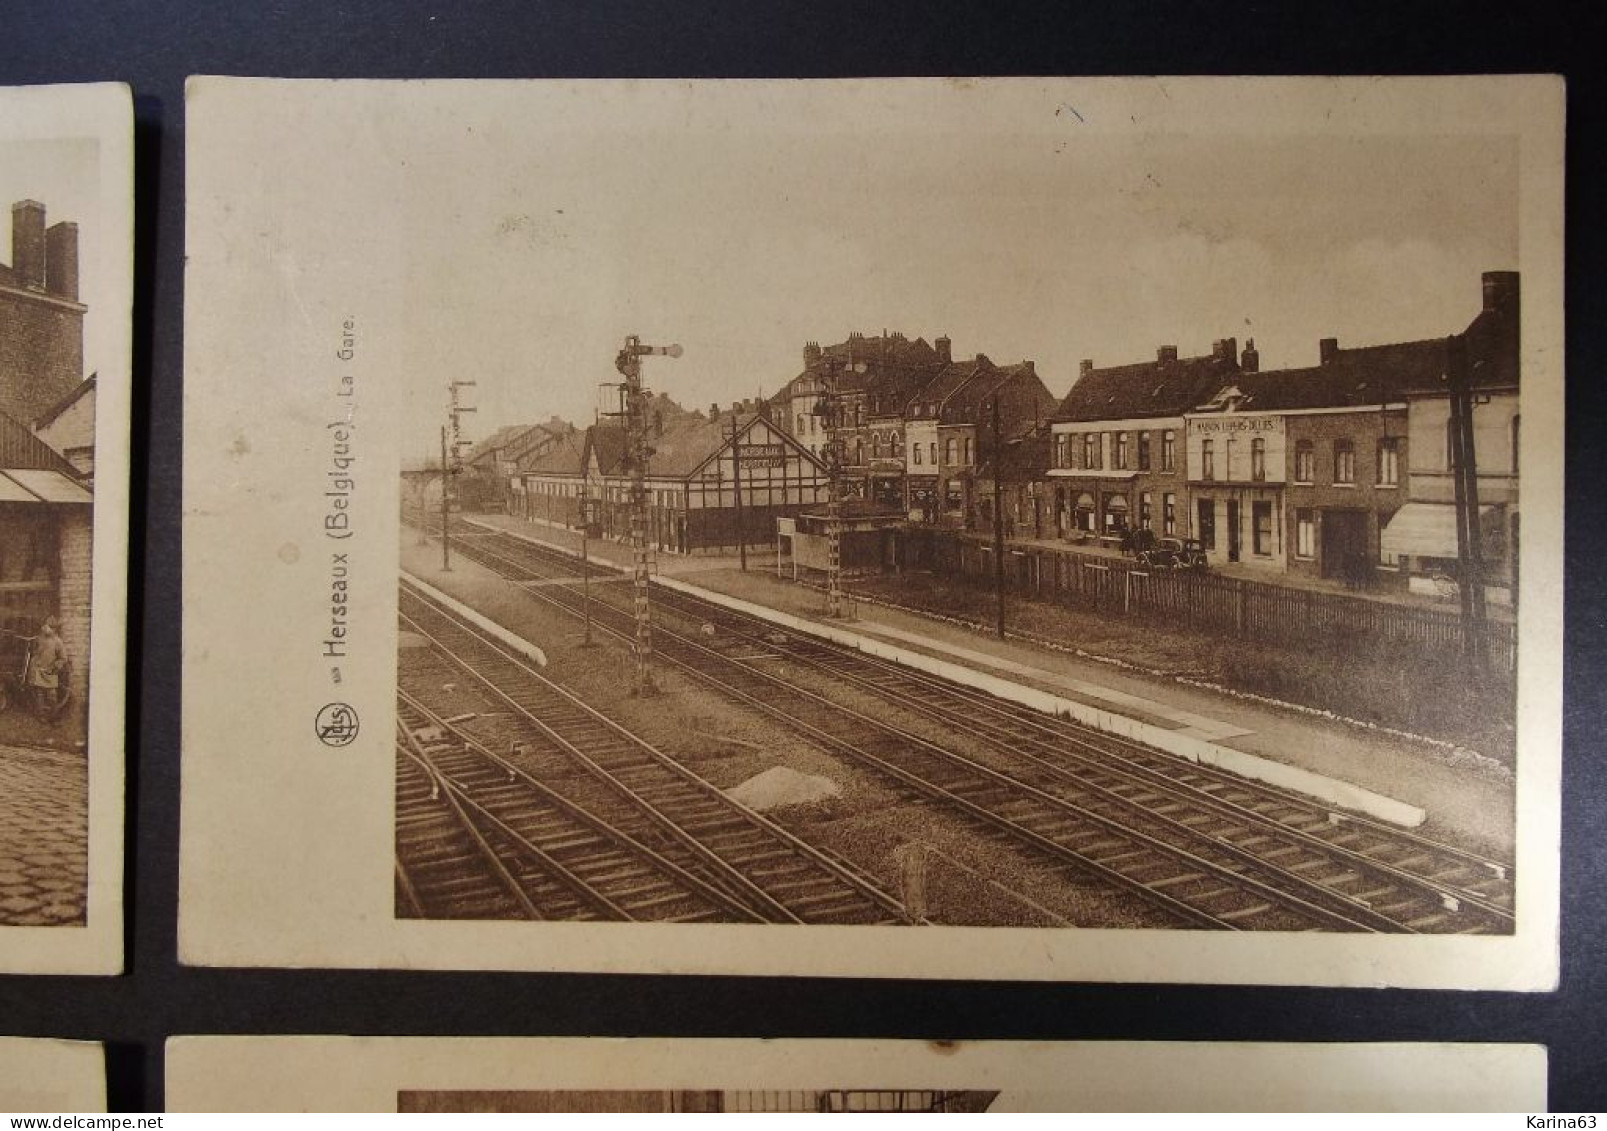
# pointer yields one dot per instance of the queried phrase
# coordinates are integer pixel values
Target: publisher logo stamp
(336, 724)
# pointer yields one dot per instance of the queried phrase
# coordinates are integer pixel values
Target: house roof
(1145, 389)
(1025, 458)
(1364, 376)
(32, 471)
(567, 456)
(606, 444)
(495, 442)
(78, 392)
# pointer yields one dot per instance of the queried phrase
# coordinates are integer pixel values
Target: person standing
(45, 666)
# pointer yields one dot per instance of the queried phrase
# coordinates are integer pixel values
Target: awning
(1424, 530)
(39, 485)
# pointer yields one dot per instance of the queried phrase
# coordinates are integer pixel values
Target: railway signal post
(828, 409)
(633, 408)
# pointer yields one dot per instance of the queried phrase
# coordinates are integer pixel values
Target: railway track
(627, 832)
(1373, 876)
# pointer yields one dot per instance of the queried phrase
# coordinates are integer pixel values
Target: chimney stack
(1085, 367)
(28, 243)
(1165, 354)
(61, 260)
(1500, 290)
(1250, 362)
(1327, 350)
(811, 354)
(714, 410)
(1224, 349)
(945, 349)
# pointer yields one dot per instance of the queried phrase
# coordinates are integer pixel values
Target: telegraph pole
(998, 519)
(633, 409)
(736, 486)
(449, 474)
(1465, 479)
(830, 411)
(446, 507)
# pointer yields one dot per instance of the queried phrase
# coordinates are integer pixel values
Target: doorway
(1235, 538)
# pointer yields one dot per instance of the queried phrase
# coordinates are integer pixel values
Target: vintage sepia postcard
(66, 292)
(51, 1076)
(1026, 529)
(443, 1074)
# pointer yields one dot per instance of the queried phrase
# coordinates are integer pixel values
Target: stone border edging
(518, 643)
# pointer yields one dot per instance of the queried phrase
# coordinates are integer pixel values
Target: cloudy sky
(62, 175)
(533, 251)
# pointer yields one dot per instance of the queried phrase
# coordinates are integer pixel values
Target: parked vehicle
(1174, 553)
(16, 661)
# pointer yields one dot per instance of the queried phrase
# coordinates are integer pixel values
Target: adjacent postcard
(427, 1074)
(47, 1076)
(66, 287)
(1025, 529)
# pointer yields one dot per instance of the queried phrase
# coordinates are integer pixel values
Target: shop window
(1344, 461)
(1305, 533)
(1261, 522)
(1389, 462)
(1305, 462)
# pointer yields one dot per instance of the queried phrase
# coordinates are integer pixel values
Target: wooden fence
(1229, 605)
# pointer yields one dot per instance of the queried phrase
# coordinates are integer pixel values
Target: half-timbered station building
(711, 481)
(1117, 459)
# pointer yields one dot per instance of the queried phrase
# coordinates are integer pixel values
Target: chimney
(855, 336)
(1500, 291)
(1250, 362)
(811, 354)
(61, 260)
(714, 410)
(1327, 350)
(1165, 354)
(1223, 349)
(1085, 367)
(28, 243)
(1030, 366)
(945, 349)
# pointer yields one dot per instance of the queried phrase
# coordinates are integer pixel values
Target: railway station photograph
(47, 467)
(1135, 548)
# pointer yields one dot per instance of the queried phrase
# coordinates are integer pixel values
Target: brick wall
(73, 594)
(41, 352)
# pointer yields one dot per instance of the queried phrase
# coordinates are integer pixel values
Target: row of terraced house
(1341, 469)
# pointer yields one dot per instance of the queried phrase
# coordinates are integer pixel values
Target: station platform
(1465, 795)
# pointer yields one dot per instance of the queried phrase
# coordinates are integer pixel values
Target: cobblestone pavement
(44, 843)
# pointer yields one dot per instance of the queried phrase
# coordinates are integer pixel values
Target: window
(1168, 451)
(1143, 451)
(1062, 450)
(916, 451)
(876, 445)
(1229, 463)
(934, 453)
(1169, 513)
(1090, 449)
(1120, 461)
(1258, 459)
(1145, 506)
(1344, 461)
(1207, 523)
(1389, 462)
(1261, 519)
(1207, 459)
(948, 450)
(1305, 462)
(859, 450)
(968, 449)
(800, 424)
(1305, 533)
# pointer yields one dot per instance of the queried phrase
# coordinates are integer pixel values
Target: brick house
(1299, 470)
(1422, 537)
(1117, 455)
(41, 319)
